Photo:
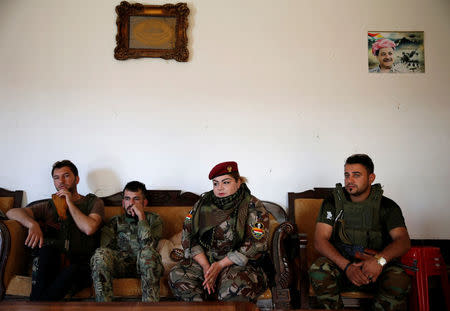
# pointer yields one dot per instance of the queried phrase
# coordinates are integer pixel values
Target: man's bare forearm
(399, 246)
(322, 244)
(22, 215)
(26, 218)
(325, 248)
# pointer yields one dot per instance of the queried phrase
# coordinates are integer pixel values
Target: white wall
(282, 87)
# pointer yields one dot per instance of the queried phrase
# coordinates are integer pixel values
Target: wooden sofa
(172, 206)
(8, 200)
(303, 209)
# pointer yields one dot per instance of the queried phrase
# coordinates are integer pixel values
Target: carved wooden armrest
(303, 271)
(13, 252)
(5, 241)
(283, 266)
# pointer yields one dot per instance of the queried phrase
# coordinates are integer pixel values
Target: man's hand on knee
(355, 274)
(371, 268)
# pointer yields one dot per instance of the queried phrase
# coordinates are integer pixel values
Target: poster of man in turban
(391, 52)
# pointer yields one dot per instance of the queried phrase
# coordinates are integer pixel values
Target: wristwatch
(381, 260)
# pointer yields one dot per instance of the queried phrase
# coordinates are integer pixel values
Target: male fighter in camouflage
(352, 224)
(128, 247)
(224, 236)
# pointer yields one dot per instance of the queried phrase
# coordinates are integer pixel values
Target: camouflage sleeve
(150, 230)
(109, 234)
(255, 238)
(191, 246)
(195, 248)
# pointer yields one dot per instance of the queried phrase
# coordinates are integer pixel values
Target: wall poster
(396, 52)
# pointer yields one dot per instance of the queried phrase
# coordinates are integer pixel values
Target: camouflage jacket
(128, 235)
(255, 241)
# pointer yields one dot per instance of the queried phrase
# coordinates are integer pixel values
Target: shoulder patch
(258, 231)
(329, 215)
(189, 216)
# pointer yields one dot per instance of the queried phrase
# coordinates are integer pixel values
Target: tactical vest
(358, 223)
(66, 236)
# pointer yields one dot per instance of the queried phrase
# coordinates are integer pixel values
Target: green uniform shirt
(128, 235)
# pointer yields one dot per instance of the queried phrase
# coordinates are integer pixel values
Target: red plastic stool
(425, 261)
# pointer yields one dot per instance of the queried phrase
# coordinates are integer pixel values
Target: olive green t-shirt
(390, 215)
(43, 212)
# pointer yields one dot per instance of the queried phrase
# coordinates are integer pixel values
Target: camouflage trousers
(391, 288)
(107, 264)
(234, 283)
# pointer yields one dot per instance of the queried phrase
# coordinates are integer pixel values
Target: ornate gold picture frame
(152, 31)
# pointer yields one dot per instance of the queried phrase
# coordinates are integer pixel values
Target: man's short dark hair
(135, 186)
(362, 159)
(63, 163)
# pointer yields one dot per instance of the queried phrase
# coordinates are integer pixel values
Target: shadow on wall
(103, 182)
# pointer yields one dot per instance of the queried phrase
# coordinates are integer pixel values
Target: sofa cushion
(6, 203)
(306, 211)
(19, 285)
(165, 247)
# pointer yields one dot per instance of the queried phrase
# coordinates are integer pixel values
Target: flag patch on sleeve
(258, 231)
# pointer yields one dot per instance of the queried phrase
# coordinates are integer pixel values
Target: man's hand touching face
(134, 203)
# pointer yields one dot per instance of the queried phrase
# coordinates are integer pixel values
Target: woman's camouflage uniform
(238, 229)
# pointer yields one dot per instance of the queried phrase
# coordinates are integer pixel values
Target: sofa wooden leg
(282, 298)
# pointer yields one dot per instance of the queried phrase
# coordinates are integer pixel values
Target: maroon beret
(223, 168)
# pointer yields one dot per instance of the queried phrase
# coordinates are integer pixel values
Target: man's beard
(135, 217)
(72, 188)
(358, 191)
